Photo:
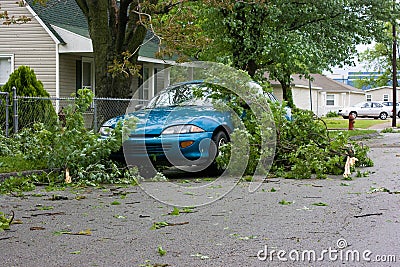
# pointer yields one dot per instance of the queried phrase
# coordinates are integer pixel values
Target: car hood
(154, 121)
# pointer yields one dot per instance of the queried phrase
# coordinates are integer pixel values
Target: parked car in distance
(390, 104)
(178, 128)
(368, 109)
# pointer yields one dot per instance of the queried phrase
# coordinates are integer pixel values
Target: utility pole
(394, 68)
(309, 86)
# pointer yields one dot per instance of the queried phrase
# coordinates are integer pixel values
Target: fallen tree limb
(368, 214)
(48, 214)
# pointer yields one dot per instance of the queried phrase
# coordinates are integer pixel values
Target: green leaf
(161, 251)
(320, 204)
(158, 225)
(174, 212)
(284, 202)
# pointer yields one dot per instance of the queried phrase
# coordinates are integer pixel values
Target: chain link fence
(49, 111)
(4, 112)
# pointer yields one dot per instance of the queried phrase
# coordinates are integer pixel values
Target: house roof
(379, 88)
(325, 83)
(67, 15)
(320, 82)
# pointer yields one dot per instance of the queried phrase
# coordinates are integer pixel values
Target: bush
(332, 114)
(71, 150)
(26, 83)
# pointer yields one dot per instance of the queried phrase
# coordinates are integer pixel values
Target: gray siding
(68, 74)
(30, 44)
(377, 94)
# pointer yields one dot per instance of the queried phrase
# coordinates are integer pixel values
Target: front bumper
(167, 148)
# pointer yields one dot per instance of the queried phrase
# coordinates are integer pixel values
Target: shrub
(388, 130)
(26, 83)
(72, 150)
(332, 114)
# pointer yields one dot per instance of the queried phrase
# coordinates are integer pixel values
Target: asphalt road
(328, 222)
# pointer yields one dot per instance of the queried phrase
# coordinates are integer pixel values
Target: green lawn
(17, 164)
(340, 123)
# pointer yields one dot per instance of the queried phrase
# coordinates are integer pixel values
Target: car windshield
(193, 94)
(181, 95)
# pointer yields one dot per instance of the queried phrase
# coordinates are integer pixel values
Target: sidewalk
(381, 126)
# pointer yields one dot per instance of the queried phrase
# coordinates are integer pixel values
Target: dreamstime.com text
(340, 253)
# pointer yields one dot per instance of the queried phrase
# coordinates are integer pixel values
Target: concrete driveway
(328, 222)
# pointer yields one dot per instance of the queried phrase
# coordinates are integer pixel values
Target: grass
(340, 123)
(18, 163)
(332, 134)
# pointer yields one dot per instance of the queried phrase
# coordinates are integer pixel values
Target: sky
(337, 72)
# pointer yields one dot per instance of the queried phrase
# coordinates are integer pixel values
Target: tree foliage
(285, 37)
(117, 30)
(379, 58)
(7, 19)
(281, 37)
(304, 146)
(70, 149)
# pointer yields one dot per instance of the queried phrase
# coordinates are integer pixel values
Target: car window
(366, 105)
(377, 105)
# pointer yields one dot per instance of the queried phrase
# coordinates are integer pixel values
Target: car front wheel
(383, 116)
(219, 139)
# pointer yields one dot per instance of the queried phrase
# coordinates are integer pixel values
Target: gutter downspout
(57, 77)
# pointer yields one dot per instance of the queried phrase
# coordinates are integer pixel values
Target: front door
(88, 74)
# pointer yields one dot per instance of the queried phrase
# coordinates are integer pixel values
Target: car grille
(149, 148)
(143, 135)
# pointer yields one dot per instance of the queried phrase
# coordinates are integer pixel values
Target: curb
(364, 136)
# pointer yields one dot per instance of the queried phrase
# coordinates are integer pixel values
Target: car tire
(220, 138)
(383, 116)
(398, 114)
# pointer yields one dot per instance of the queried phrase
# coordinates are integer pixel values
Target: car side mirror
(139, 106)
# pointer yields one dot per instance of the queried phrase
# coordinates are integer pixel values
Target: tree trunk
(114, 30)
(287, 90)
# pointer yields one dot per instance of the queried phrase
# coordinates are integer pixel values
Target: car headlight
(105, 130)
(182, 129)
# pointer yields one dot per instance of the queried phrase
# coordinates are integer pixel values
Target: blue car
(176, 128)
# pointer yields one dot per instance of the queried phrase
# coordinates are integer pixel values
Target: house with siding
(320, 93)
(383, 93)
(57, 46)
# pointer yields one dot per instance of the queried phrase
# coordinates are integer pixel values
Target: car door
(376, 109)
(365, 109)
